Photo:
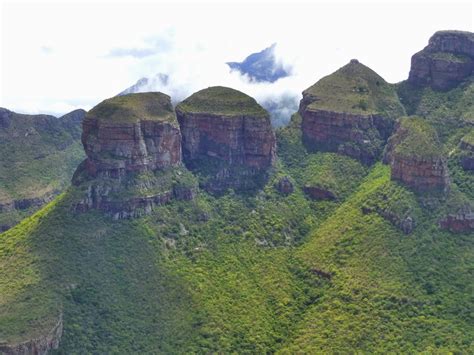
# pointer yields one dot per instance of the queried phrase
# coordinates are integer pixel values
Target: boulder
(467, 151)
(284, 186)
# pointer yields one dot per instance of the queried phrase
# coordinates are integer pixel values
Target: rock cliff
(227, 136)
(447, 60)
(131, 133)
(41, 345)
(415, 156)
(351, 111)
(460, 222)
(467, 151)
(133, 148)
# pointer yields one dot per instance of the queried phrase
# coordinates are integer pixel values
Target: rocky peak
(135, 132)
(415, 156)
(228, 130)
(133, 148)
(351, 111)
(447, 60)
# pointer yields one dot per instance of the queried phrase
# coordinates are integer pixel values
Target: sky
(59, 56)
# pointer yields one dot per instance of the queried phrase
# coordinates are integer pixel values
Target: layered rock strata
(131, 133)
(351, 111)
(447, 60)
(133, 148)
(415, 156)
(460, 222)
(227, 136)
(38, 346)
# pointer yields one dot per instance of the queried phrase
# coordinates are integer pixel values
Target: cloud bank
(94, 55)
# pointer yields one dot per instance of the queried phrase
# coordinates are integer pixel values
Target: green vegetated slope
(246, 273)
(220, 100)
(131, 108)
(357, 89)
(260, 272)
(38, 154)
(451, 113)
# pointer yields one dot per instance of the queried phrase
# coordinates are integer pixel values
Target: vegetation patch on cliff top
(417, 138)
(357, 89)
(219, 100)
(132, 108)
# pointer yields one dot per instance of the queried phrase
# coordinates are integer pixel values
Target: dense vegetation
(357, 89)
(259, 272)
(221, 100)
(39, 154)
(149, 106)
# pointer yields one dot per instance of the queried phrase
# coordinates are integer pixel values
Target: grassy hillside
(38, 154)
(220, 100)
(357, 89)
(245, 273)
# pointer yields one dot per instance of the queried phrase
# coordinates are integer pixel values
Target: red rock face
(443, 72)
(461, 222)
(242, 140)
(420, 174)
(116, 148)
(358, 136)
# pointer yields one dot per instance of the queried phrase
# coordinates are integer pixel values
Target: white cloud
(57, 57)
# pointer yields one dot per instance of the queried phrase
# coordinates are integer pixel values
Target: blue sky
(56, 57)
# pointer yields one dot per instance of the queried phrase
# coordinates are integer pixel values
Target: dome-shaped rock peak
(228, 129)
(447, 60)
(135, 132)
(352, 111)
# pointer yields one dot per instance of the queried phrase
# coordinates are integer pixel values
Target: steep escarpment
(227, 136)
(415, 156)
(447, 60)
(133, 148)
(38, 155)
(351, 111)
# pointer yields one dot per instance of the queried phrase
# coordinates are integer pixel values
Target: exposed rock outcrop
(226, 136)
(351, 111)
(460, 222)
(39, 346)
(133, 147)
(131, 133)
(284, 186)
(447, 60)
(319, 193)
(415, 156)
(467, 151)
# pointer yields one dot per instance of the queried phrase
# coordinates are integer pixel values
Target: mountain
(262, 66)
(330, 252)
(38, 156)
(147, 84)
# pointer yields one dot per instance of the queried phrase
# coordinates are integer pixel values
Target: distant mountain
(38, 154)
(261, 66)
(146, 84)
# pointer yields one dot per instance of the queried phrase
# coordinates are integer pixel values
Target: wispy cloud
(152, 45)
